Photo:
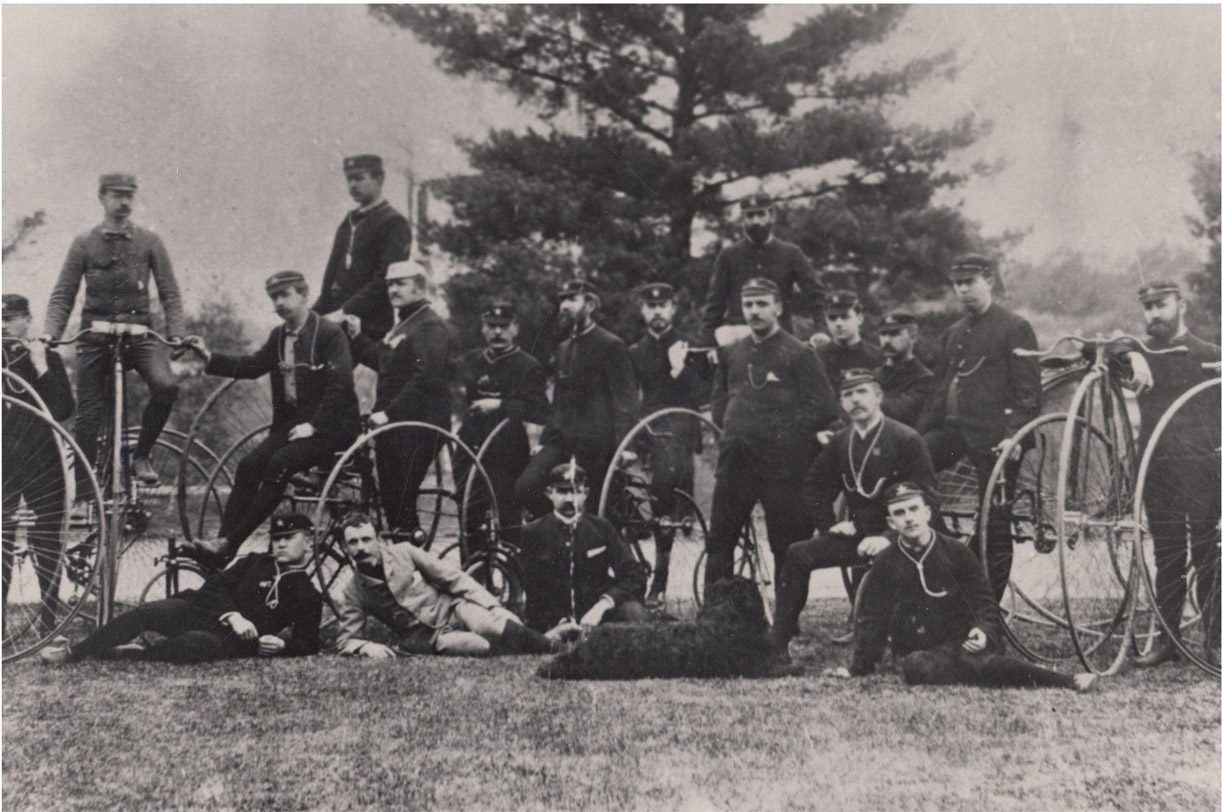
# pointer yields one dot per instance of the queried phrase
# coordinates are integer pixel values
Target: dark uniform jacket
(415, 365)
(907, 386)
(322, 377)
(567, 569)
(837, 358)
(23, 432)
(894, 601)
(116, 266)
(521, 384)
(890, 453)
(1187, 454)
(272, 598)
(661, 390)
(374, 239)
(770, 397)
(981, 387)
(782, 262)
(594, 398)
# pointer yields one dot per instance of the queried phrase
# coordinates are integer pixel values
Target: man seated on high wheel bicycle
(314, 411)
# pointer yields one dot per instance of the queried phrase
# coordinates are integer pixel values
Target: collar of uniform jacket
(124, 233)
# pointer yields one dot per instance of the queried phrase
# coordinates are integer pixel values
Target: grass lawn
(428, 732)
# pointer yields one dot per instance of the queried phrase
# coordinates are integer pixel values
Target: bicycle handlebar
(118, 328)
(1097, 340)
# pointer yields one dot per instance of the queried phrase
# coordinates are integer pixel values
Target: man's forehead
(359, 531)
(1150, 304)
(906, 504)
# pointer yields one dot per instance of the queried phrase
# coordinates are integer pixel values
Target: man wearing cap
(314, 411)
(371, 237)
(415, 365)
(594, 400)
(758, 255)
(771, 397)
(264, 605)
(32, 463)
(670, 377)
(906, 382)
(859, 463)
(930, 594)
(982, 391)
(1183, 484)
(116, 260)
(847, 349)
(575, 567)
(428, 603)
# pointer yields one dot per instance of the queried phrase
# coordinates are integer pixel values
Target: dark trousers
(946, 448)
(262, 476)
(949, 664)
(404, 457)
(41, 483)
(93, 364)
(786, 516)
(593, 456)
(192, 635)
(793, 581)
(504, 462)
(1183, 519)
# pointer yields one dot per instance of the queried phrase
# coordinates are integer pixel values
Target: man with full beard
(906, 382)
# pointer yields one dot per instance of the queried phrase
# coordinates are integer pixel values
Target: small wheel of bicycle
(178, 575)
(51, 554)
(1176, 515)
(1020, 499)
(1098, 541)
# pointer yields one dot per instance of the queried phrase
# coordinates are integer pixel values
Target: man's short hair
(355, 518)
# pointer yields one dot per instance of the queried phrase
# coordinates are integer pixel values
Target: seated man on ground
(430, 604)
(931, 594)
(575, 567)
(265, 605)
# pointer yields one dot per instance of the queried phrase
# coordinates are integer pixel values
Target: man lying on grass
(430, 604)
(263, 604)
(932, 595)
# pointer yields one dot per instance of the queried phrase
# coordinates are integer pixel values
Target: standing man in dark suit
(906, 382)
(594, 402)
(771, 398)
(415, 365)
(32, 465)
(982, 392)
(847, 349)
(370, 238)
(314, 411)
(758, 255)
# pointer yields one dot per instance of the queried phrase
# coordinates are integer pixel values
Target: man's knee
(163, 394)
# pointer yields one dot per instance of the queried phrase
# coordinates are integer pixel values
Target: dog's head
(734, 602)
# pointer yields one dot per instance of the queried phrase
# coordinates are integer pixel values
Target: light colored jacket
(425, 589)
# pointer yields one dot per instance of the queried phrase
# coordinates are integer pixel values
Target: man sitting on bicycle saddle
(860, 462)
(430, 604)
(116, 260)
(575, 567)
(502, 382)
(264, 605)
(314, 411)
(930, 594)
(415, 365)
(669, 376)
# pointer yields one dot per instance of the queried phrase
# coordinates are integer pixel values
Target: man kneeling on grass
(430, 604)
(262, 604)
(931, 594)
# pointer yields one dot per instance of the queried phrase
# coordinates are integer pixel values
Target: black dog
(726, 640)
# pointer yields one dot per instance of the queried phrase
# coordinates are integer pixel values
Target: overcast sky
(235, 119)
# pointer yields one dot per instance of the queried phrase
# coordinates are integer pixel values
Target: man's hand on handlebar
(196, 345)
(378, 419)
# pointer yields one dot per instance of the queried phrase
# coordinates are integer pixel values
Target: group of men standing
(802, 422)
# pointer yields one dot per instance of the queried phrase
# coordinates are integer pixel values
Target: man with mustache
(982, 392)
(429, 604)
(1183, 485)
(314, 411)
(906, 382)
(367, 242)
(594, 401)
(116, 260)
(771, 398)
(847, 349)
(860, 463)
(502, 382)
(669, 376)
(758, 255)
(930, 595)
(575, 569)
